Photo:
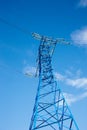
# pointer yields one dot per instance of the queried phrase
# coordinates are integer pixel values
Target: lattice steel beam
(50, 110)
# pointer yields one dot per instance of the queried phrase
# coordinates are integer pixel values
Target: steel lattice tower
(50, 110)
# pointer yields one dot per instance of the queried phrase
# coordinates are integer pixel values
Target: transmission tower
(50, 110)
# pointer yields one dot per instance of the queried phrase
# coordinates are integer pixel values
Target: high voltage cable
(30, 33)
(15, 26)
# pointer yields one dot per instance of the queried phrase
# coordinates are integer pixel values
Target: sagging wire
(15, 26)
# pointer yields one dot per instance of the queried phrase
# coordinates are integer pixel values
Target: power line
(30, 33)
(15, 26)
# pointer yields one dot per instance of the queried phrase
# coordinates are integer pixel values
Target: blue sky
(18, 52)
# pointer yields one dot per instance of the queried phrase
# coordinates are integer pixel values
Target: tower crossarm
(47, 44)
(49, 39)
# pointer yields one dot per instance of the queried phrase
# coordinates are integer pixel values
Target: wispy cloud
(70, 98)
(82, 3)
(59, 76)
(78, 83)
(74, 81)
(29, 71)
(75, 75)
(79, 37)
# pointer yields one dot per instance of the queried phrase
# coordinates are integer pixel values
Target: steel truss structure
(50, 110)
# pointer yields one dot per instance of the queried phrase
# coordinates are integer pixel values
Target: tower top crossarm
(49, 39)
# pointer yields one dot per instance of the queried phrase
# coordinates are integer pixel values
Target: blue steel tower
(50, 110)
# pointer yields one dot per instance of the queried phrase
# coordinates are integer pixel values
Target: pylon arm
(47, 39)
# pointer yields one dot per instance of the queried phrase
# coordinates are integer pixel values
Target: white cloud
(82, 3)
(59, 77)
(79, 37)
(70, 98)
(69, 73)
(74, 81)
(76, 74)
(78, 83)
(29, 71)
